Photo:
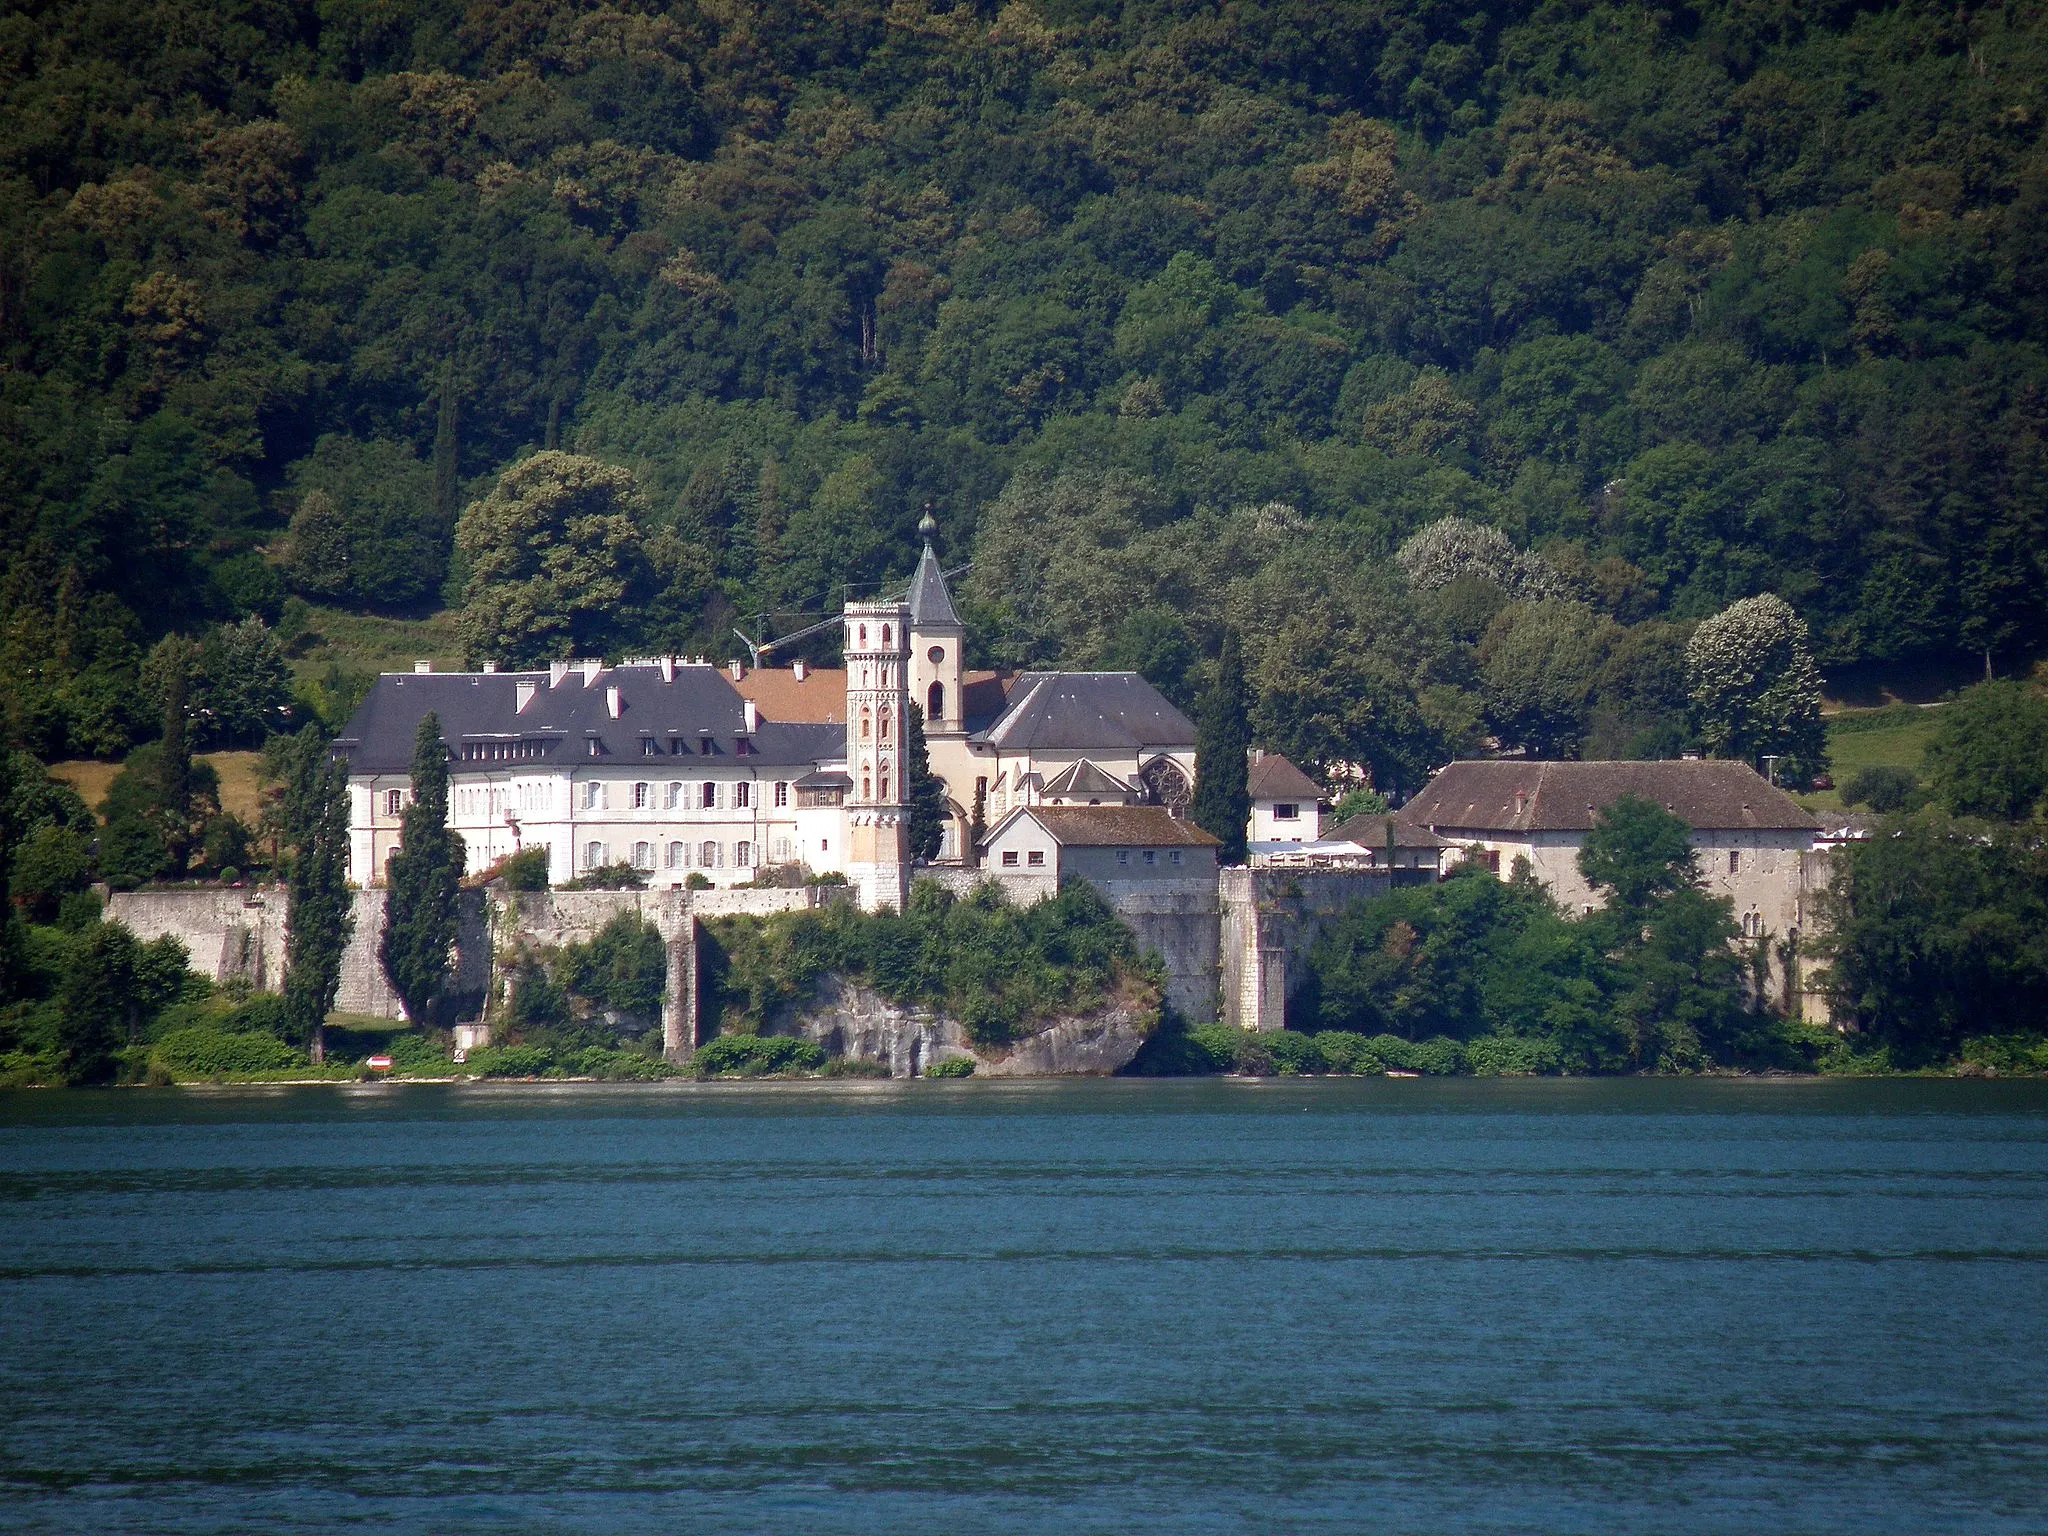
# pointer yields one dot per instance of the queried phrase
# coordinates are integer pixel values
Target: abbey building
(683, 768)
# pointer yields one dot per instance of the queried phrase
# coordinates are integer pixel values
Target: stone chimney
(668, 669)
(753, 716)
(801, 668)
(423, 666)
(614, 702)
(737, 668)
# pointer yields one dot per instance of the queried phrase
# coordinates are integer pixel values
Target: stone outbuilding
(1753, 839)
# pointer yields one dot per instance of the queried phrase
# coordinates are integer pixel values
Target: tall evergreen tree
(419, 911)
(927, 793)
(174, 768)
(322, 915)
(1223, 744)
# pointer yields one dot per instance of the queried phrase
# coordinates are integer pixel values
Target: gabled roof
(1086, 778)
(1112, 826)
(1273, 777)
(1708, 795)
(697, 705)
(931, 605)
(1077, 711)
(1371, 832)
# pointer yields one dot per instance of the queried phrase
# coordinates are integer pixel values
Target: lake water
(1064, 1307)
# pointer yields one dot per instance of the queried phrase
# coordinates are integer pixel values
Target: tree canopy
(1668, 309)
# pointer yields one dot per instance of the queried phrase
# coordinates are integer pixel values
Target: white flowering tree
(1455, 547)
(1754, 687)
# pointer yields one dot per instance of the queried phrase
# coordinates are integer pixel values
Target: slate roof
(698, 714)
(1076, 711)
(1273, 777)
(930, 603)
(1371, 832)
(1118, 826)
(1563, 797)
(1086, 778)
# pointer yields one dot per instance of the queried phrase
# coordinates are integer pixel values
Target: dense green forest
(1199, 312)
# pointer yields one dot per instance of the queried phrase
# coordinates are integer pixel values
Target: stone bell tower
(877, 716)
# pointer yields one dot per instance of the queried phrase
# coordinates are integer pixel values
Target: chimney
(590, 670)
(1521, 801)
(490, 667)
(737, 668)
(668, 669)
(801, 668)
(612, 702)
(524, 695)
(557, 670)
(753, 717)
(423, 666)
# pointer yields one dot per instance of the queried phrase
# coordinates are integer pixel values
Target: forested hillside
(1180, 315)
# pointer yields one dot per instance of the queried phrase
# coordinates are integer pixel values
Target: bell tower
(937, 638)
(877, 716)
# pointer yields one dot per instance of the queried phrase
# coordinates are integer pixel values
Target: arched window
(674, 797)
(866, 723)
(741, 795)
(884, 722)
(593, 855)
(675, 855)
(708, 797)
(707, 856)
(643, 855)
(743, 855)
(885, 635)
(935, 703)
(885, 787)
(866, 787)
(643, 796)
(863, 634)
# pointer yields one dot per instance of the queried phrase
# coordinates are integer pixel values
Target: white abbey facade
(682, 768)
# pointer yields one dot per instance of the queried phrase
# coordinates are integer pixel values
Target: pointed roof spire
(931, 604)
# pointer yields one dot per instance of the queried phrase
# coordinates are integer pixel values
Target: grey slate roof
(1077, 711)
(1273, 777)
(1371, 832)
(930, 602)
(1564, 797)
(1086, 778)
(699, 708)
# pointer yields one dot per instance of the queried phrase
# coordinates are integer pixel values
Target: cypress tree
(174, 770)
(926, 794)
(419, 909)
(977, 826)
(447, 454)
(322, 915)
(1223, 742)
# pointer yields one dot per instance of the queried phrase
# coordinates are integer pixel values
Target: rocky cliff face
(854, 1021)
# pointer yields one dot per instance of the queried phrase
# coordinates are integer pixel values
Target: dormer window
(649, 747)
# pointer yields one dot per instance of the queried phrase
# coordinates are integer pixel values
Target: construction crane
(759, 649)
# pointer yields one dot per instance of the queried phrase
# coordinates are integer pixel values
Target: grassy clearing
(1871, 738)
(364, 642)
(240, 780)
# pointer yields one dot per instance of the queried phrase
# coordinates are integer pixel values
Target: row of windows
(504, 751)
(1034, 858)
(710, 795)
(678, 855)
(679, 746)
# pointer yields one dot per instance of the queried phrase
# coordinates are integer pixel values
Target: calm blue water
(1096, 1306)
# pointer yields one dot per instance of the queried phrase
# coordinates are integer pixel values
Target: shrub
(757, 1055)
(204, 1052)
(526, 870)
(2011, 1055)
(1884, 789)
(1350, 1053)
(610, 877)
(955, 1066)
(696, 880)
(264, 1013)
(1295, 1054)
(414, 1052)
(1511, 1056)
(511, 1061)
(622, 1066)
